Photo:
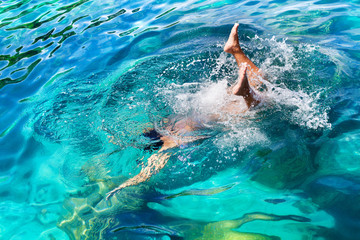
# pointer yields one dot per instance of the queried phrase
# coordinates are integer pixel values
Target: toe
(235, 27)
(243, 69)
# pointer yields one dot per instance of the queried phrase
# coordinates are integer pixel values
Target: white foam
(302, 107)
(282, 58)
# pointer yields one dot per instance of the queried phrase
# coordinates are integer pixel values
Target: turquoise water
(80, 80)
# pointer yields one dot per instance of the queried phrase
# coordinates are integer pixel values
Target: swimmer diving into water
(248, 80)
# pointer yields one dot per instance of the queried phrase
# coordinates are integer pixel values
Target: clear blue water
(80, 80)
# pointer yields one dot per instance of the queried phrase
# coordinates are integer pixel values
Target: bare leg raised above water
(232, 46)
(243, 88)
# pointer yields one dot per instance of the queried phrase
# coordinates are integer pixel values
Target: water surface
(80, 80)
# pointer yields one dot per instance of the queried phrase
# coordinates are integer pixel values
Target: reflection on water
(80, 82)
(49, 17)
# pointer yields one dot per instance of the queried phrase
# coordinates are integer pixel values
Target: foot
(232, 45)
(242, 87)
